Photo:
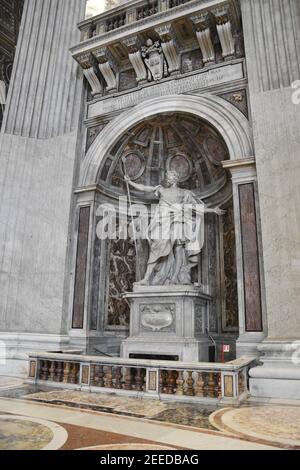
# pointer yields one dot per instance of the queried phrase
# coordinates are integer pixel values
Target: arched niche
(227, 135)
(193, 147)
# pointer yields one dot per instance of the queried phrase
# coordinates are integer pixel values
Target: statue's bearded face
(172, 177)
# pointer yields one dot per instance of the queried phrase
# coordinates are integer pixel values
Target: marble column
(272, 54)
(252, 318)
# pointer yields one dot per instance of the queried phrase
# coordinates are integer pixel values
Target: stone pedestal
(168, 321)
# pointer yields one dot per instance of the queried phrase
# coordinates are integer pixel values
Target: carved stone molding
(107, 66)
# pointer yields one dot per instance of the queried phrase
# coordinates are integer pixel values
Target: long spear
(131, 214)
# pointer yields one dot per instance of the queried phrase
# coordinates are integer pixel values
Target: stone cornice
(241, 163)
(160, 18)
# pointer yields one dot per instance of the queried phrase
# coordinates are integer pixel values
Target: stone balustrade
(199, 382)
(126, 14)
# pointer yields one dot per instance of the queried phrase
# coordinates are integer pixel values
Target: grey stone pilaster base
(279, 374)
(14, 349)
(247, 344)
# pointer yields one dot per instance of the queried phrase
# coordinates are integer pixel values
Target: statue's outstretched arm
(141, 187)
(215, 210)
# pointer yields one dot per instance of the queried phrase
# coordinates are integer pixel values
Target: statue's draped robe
(175, 235)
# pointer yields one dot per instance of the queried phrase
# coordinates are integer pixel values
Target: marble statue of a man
(175, 234)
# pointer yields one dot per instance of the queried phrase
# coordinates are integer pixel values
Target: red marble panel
(81, 265)
(252, 288)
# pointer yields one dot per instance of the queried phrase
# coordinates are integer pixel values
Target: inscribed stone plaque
(32, 369)
(152, 380)
(228, 386)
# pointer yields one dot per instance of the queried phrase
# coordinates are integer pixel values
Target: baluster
(45, 371)
(122, 20)
(92, 374)
(211, 385)
(189, 391)
(118, 377)
(144, 373)
(96, 376)
(108, 383)
(128, 379)
(216, 388)
(73, 373)
(241, 382)
(52, 372)
(40, 373)
(219, 385)
(171, 382)
(77, 375)
(206, 389)
(138, 380)
(59, 371)
(99, 376)
(200, 385)
(66, 373)
(180, 383)
(163, 381)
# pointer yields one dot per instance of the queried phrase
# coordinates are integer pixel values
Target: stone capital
(132, 44)
(222, 16)
(103, 55)
(85, 60)
(201, 21)
(166, 32)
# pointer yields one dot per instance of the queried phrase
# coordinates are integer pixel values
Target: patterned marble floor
(36, 419)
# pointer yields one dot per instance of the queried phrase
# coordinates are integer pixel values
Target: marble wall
(38, 146)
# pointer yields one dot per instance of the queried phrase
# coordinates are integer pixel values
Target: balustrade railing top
(157, 379)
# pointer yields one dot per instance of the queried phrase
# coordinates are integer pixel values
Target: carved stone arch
(223, 116)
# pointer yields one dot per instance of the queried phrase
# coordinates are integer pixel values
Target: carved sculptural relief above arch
(228, 121)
